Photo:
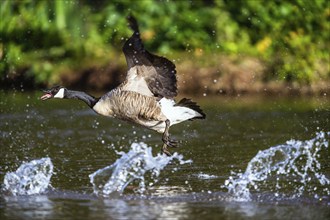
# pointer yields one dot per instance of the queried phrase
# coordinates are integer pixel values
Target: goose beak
(47, 95)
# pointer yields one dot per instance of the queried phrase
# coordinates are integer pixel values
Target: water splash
(131, 166)
(295, 164)
(30, 178)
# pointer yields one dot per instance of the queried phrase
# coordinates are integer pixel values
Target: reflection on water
(28, 207)
(80, 143)
(120, 209)
(70, 205)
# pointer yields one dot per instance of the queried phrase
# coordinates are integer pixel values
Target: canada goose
(146, 97)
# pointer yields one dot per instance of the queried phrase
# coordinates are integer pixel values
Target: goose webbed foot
(167, 141)
(166, 151)
(170, 142)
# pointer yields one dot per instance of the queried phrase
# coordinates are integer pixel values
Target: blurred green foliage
(41, 38)
(294, 35)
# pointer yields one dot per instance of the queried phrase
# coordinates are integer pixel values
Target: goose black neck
(88, 99)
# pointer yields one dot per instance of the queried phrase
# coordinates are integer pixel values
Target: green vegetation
(41, 40)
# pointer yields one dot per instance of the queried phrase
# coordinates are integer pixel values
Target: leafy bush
(40, 38)
(292, 35)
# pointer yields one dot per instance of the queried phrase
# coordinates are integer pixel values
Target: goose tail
(184, 110)
(188, 103)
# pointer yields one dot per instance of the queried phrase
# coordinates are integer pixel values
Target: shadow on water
(102, 168)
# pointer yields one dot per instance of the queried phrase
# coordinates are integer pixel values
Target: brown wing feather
(158, 72)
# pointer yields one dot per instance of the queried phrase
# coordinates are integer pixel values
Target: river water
(252, 158)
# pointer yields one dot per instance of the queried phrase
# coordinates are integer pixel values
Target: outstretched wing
(147, 73)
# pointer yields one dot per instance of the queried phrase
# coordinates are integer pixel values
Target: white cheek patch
(60, 94)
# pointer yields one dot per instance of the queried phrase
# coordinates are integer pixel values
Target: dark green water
(79, 142)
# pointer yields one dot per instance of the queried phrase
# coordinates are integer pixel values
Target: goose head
(55, 92)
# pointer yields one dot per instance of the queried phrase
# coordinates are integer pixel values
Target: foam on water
(30, 178)
(295, 164)
(131, 166)
(205, 176)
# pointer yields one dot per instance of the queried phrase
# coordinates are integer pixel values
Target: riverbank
(197, 76)
(247, 76)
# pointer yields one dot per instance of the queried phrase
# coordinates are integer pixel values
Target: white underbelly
(102, 108)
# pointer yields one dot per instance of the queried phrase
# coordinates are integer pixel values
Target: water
(252, 158)
(30, 178)
(295, 160)
(131, 166)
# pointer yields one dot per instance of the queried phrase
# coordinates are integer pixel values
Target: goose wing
(147, 74)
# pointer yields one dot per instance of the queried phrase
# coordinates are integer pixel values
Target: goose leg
(166, 139)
